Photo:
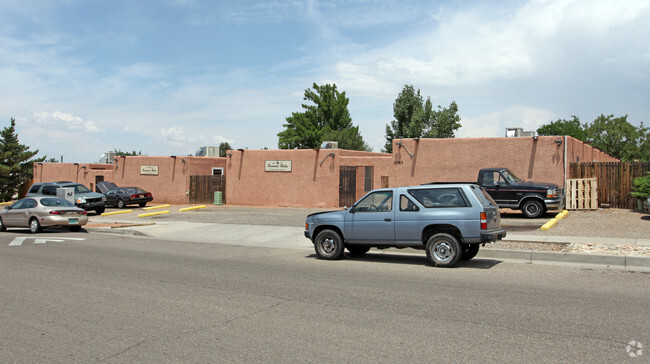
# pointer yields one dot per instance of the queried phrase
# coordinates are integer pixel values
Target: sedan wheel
(34, 226)
(120, 204)
(2, 225)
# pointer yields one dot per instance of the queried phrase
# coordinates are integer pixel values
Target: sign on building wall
(277, 166)
(149, 170)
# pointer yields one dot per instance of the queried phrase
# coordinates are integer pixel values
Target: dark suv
(83, 197)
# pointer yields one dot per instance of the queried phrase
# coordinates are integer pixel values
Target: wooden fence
(202, 188)
(614, 180)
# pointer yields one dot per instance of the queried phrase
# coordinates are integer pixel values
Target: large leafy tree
(416, 118)
(617, 137)
(327, 118)
(16, 163)
(613, 135)
(571, 127)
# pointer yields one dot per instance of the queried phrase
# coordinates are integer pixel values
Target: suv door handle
(387, 219)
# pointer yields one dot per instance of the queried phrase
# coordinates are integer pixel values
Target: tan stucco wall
(314, 177)
(169, 186)
(312, 182)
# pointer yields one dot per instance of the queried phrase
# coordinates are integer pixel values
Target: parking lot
(611, 223)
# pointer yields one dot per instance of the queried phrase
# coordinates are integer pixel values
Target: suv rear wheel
(443, 250)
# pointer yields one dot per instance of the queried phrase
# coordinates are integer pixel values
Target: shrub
(641, 187)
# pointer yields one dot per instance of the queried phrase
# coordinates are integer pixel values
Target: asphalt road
(115, 299)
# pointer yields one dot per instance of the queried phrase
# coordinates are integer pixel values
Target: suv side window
(405, 204)
(49, 190)
(376, 202)
(439, 197)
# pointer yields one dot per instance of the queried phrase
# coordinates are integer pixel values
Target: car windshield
(78, 188)
(510, 177)
(56, 202)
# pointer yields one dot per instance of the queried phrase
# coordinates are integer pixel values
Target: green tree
(327, 118)
(119, 153)
(571, 127)
(16, 163)
(415, 118)
(619, 138)
(224, 147)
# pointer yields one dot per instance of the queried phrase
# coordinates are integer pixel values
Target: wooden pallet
(582, 194)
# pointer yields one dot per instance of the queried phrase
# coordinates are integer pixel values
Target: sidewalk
(533, 238)
(292, 237)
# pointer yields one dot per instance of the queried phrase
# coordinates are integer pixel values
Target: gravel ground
(614, 223)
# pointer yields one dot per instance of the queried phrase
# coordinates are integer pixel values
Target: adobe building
(333, 177)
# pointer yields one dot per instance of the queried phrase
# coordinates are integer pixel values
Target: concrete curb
(119, 231)
(533, 256)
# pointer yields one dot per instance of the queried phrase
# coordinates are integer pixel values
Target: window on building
(367, 182)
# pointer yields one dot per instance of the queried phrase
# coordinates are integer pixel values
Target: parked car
(448, 221)
(38, 212)
(83, 197)
(123, 196)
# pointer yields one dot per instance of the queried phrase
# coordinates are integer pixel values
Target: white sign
(149, 170)
(277, 166)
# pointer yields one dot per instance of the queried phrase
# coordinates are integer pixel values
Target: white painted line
(18, 241)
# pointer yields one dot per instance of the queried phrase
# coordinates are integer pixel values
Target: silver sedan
(39, 212)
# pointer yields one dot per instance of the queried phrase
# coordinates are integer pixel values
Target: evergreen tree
(415, 118)
(16, 163)
(327, 119)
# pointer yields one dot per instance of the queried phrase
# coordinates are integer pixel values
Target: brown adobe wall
(168, 186)
(448, 160)
(312, 182)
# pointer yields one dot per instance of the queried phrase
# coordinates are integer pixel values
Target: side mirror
(352, 209)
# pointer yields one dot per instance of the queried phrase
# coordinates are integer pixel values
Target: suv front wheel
(329, 245)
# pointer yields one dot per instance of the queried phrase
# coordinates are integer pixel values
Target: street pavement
(272, 231)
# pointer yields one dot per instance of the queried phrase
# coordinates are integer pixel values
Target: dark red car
(123, 196)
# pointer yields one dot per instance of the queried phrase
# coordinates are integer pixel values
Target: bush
(641, 187)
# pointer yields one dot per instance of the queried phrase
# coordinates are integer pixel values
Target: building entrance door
(347, 186)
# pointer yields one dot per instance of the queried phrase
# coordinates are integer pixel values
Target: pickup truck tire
(443, 250)
(532, 209)
(329, 245)
(100, 210)
(357, 250)
(470, 251)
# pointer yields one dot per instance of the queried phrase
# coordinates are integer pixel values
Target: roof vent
(329, 145)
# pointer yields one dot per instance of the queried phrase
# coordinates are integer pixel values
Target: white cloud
(63, 121)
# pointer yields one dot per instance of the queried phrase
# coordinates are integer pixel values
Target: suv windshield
(78, 188)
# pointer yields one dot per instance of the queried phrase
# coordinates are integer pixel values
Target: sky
(164, 77)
